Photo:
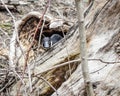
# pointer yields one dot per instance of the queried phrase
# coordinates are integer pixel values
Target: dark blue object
(55, 38)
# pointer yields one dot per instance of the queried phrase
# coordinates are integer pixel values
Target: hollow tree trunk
(103, 33)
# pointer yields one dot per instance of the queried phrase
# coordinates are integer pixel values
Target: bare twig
(70, 69)
(83, 47)
(29, 48)
(77, 60)
(5, 33)
(40, 22)
(13, 40)
(30, 79)
(12, 56)
(107, 62)
(41, 31)
(50, 85)
(40, 36)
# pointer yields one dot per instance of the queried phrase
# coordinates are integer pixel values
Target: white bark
(83, 49)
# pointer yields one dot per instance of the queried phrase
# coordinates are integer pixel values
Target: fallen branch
(29, 48)
(72, 62)
(49, 85)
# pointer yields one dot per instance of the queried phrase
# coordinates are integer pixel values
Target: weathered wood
(103, 33)
(97, 38)
(59, 53)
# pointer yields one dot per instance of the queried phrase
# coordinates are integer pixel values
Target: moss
(7, 27)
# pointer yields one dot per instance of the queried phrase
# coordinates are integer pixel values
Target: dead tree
(48, 70)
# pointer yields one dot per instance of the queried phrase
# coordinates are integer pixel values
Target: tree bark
(103, 33)
(83, 48)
